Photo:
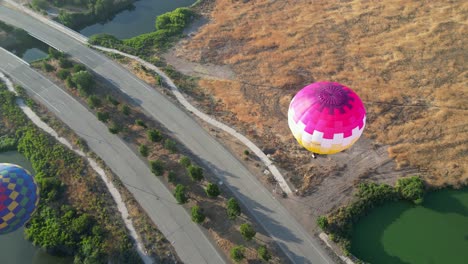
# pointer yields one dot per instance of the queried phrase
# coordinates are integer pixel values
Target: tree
(263, 253)
(54, 54)
(237, 253)
(197, 214)
(125, 109)
(111, 100)
(79, 67)
(84, 81)
(157, 167)
(94, 101)
(170, 145)
(212, 190)
(233, 209)
(195, 172)
(185, 161)
(64, 63)
(411, 188)
(69, 82)
(103, 116)
(247, 231)
(144, 151)
(322, 222)
(171, 177)
(179, 194)
(154, 135)
(47, 67)
(63, 74)
(140, 122)
(114, 128)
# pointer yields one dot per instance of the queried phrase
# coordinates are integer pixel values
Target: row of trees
(58, 226)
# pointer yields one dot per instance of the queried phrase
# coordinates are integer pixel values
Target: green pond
(14, 248)
(432, 233)
(136, 21)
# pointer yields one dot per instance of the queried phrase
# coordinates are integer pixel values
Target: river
(435, 232)
(14, 248)
(136, 21)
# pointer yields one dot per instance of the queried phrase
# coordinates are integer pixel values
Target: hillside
(406, 59)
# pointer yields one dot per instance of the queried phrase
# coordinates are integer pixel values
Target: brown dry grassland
(406, 59)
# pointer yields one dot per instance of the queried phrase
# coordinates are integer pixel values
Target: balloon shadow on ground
(367, 234)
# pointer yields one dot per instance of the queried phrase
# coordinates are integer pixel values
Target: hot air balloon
(326, 117)
(19, 197)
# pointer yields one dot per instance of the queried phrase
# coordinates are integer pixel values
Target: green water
(136, 21)
(14, 248)
(434, 232)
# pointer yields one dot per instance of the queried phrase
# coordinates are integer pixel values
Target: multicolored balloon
(19, 197)
(326, 117)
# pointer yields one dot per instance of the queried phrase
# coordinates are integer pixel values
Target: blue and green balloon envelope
(19, 197)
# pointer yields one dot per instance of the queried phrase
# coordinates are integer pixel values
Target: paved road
(293, 239)
(174, 222)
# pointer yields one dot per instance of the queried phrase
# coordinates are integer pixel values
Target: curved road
(293, 239)
(173, 221)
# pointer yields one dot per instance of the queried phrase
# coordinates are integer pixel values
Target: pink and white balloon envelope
(326, 117)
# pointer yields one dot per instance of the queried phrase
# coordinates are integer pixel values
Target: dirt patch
(405, 61)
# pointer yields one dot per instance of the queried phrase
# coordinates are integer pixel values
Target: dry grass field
(405, 58)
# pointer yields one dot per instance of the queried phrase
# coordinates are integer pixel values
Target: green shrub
(212, 190)
(7, 143)
(154, 135)
(65, 63)
(197, 214)
(247, 231)
(157, 167)
(94, 101)
(263, 253)
(170, 145)
(63, 74)
(195, 172)
(144, 151)
(55, 54)
(84, 81)
(112, 100)
(171, 177)
(140, 122)
(246, 152)
(237, 253)
(47, 67)
(103, 116)
(114, 128)
(69, 82)
(322, 222)
(179, 194)
(411, 188)
(185, 161)
(78, 67)
(125, 109)
(233, 209)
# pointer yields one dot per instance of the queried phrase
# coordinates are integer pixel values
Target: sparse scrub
(140, 122)
(103, 116)
(170, 145)
(94, 101)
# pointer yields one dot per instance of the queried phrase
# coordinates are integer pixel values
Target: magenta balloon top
(326, 117)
